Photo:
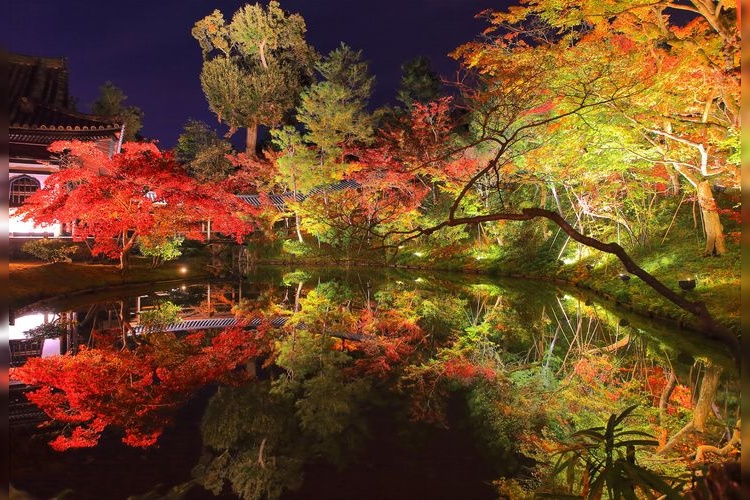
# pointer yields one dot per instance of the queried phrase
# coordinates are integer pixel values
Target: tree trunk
(125, 327)
(299, 230)
(731, 447)
(611, 347)
(127, 246)
(702, 409)
(706, 395)
(124, 260)
(715, 244)
(251, 140)
(297, 296)
(674, 177)
(666, 393)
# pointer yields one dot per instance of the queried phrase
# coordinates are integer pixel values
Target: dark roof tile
(38, 95)
(43, 79)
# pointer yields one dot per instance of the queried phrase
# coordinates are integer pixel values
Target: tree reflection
(249, 436)
(135, 389)
(529, 368)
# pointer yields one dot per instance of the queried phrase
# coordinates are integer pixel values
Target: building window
(21, 188)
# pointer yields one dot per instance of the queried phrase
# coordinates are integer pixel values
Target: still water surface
(379, 385)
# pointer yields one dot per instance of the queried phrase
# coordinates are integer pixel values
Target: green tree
(599, 168)
(253, 67)
(419, 82)
(203, 152)
(157, 319)
(334, 117)
(344, 66)
(694, 138)
(160, 249)
(334, 111)
(251, 442)
(111, 103)
(295, 161)
(294, 164)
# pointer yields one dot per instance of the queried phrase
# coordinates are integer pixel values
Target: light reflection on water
(537, 332)
(22, 324)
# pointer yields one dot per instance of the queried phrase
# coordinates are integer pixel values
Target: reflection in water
(515, 369)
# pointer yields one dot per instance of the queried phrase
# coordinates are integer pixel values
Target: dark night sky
(145, 47)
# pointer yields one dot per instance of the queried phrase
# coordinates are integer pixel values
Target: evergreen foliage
(203, 153)
(254, 66)
(419, 82)
(50, 250)
(111, 104)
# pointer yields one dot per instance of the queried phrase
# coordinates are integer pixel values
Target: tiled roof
(337, 186)
(279, 200)
(47, 136)
(29, 115)
(39, 101)
(25, 147)
(44, 79)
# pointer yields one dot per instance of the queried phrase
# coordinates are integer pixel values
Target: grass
(717, 280)
(33, 280)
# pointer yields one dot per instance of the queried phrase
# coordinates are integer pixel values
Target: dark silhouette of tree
(111, 103)
(203, 152)
(419, 82)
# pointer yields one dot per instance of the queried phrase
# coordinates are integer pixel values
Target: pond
(345, 384)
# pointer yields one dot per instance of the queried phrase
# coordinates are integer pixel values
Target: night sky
(145, 47)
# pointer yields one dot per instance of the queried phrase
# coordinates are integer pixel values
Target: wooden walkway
(23, 349)
(212, 323)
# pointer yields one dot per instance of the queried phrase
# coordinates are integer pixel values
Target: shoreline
(111, 278)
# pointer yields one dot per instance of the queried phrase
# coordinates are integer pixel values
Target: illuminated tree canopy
(254, 66)
(139, 192)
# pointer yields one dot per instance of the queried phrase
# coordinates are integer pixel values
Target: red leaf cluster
(463, 370)
(136, 390)
(680, 397)
(140, 191)
(389, 339)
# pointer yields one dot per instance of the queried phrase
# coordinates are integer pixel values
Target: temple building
(40, 113)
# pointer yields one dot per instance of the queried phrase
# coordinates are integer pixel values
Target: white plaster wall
(18, 227)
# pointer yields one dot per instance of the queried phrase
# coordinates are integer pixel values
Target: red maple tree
(389, 340)
(112, 201)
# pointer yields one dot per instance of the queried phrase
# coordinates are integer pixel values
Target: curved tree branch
(709, 326)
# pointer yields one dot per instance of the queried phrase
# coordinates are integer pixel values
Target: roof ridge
(88, 121)
(18, 58)
(81, 114)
